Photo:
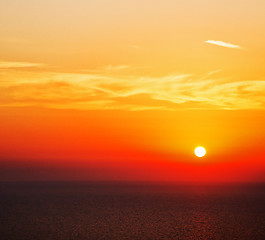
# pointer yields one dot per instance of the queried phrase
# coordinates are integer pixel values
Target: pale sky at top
(170, 34)
(136, 47)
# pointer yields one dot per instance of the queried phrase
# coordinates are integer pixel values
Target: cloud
(108, 68)
(134, 46)
(116, 68)
(8, 64)
(134, 93)
(223, 44)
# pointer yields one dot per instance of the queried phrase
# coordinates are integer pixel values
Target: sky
(125, 90)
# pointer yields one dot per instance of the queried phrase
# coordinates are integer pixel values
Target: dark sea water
(131, 211)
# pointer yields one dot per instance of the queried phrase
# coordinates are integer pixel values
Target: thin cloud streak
(9, 64)
(223, 44)
(116, 68)
(102, 91)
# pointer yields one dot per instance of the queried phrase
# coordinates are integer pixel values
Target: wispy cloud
(103, 91)
(134, 46)
(108, 69)
(116, 67)
(223, 44)
(9, 64)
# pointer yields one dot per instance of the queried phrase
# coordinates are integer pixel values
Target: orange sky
(125, 90)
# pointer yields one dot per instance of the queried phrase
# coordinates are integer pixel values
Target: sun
(200, 151)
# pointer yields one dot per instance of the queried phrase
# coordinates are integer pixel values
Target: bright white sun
(200, 151)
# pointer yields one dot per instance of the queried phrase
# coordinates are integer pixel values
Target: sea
(131, 210)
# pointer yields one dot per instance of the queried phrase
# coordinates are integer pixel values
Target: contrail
(222, 44)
